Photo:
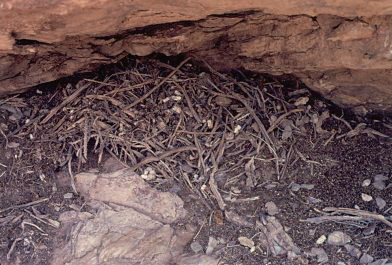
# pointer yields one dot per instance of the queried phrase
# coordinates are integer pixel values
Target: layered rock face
(340, 48)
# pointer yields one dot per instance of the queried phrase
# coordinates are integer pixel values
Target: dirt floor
(238, 148)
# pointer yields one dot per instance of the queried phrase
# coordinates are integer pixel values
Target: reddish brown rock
(340, 48)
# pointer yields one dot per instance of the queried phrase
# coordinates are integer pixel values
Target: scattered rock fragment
(381, 203)
(379, 185)
(366, 259)
(353, 251)
(338, 238)
(379, 181)
(307, 186)
(380, 262)
(322, 256)
(237, 129)
(212, 244)
(247, 242)
(366, 182)
(365, 197)
(287, 132)
(301, 101)
(274, 238)
(68, 195)
(272, 209)
(297, 187)
(149, 174)
(196, 247)
(321, 240)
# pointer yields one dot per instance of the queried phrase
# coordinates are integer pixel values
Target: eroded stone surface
(131, 223)
(342, 49)
(126, 188)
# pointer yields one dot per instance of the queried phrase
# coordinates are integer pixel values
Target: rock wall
(340, 48)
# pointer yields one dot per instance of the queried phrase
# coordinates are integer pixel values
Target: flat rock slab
(130, 224)
(126, 188)
(339, 48)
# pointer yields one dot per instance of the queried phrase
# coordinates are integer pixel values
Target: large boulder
(340, 48)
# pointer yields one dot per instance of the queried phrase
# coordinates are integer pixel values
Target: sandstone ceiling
(340, 48)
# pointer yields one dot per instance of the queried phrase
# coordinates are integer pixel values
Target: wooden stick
(24, 205)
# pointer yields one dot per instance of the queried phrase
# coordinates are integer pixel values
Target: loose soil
(238, 139)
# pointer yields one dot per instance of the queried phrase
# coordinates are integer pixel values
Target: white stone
(365, 197)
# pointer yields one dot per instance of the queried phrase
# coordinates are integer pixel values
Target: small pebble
(380, 262)
(379, 182)
(366, 197)
(380, 203)
(365, 259)
(291, 255)
(301, 101)
(295, 186)
(341, 263)
(247, 242)
(272, 209)
(307, 186)
(321, 240)
(366, 182)
(287, 132)
(176, 98)
(237, 129)
(149, 174)
(196, 247)
(212, 243)
(210, 124)
(176, 109)
(68, 195)
(322, 256)
(353, 251)
(379, 185)
(54, 187)
(380, 177)
(338, 238)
